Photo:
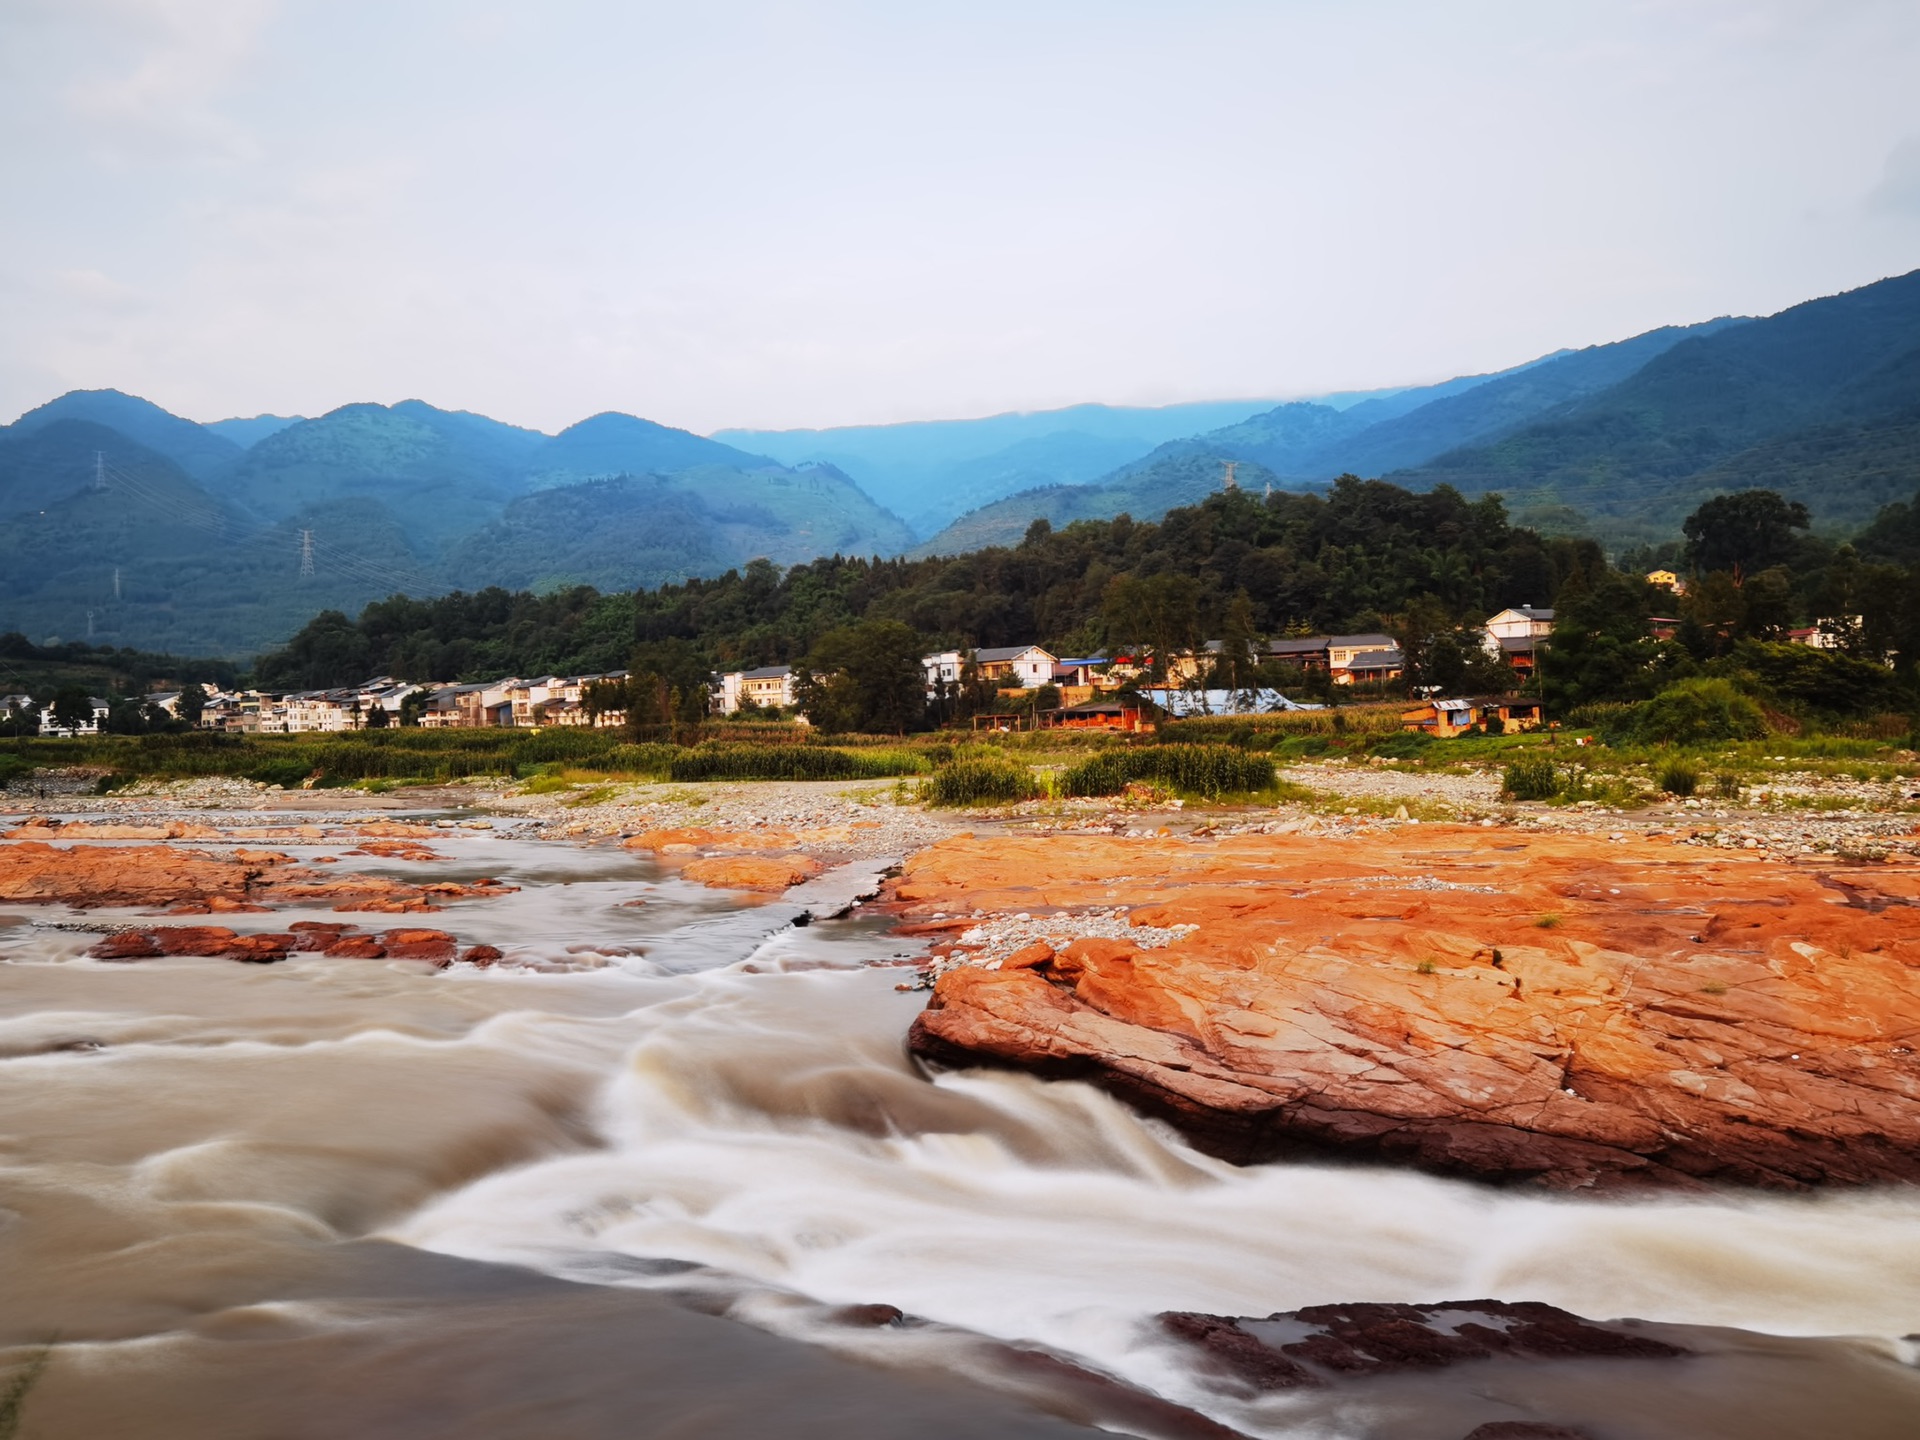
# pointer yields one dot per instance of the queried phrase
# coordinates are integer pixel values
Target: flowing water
(332, 1196)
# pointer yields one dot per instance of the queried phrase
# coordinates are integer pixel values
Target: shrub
(1209, 770)
(983, 781)
(1726, 784)
(1678, 777)
(1531, 777)
(1698, 712)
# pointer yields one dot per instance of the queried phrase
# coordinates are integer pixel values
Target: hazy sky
(818, 213)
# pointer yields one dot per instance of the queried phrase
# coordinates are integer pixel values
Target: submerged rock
(1562, 1010)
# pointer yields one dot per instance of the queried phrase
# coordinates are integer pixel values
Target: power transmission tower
(99, 470)
(116, 582)
(89, 624)
(306, 552)
(1230, 483)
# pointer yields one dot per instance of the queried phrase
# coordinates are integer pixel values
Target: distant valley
(124, 524)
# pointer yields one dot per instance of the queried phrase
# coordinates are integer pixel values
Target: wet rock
(337, 941)
(753, 872)
(187, 881)
(1326, 1344)
(482, 955)
(1563, 1010)
(1522, 1430)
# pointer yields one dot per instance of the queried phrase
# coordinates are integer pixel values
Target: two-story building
(1027, 666)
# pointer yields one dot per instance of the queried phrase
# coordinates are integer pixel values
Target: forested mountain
(1818, 401)
(1502, 404)
(650, 529)
(198, 451)
(439, 473)
(372, 500)
(615, 444)
(1180, 473)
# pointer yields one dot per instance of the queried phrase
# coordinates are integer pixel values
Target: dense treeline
(1364, 556)
(1347, 560)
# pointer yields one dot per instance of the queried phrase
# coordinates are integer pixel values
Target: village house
(98, 707)
(1309, 652)
(770, 686)
(943, 667)
(1026, 666)
(1667, 580)
(1444, 719)
(1101, 714)
(1516, 635)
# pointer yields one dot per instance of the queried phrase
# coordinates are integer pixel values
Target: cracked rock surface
(1566, 1010)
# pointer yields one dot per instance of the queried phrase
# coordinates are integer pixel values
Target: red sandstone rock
(1555, 1009)
(199, 881)
(481, 955)
(753, 872)
(435, 946)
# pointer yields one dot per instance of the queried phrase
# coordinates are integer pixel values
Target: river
(329, 1197)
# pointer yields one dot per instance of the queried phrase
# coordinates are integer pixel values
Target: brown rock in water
(1522, 1430)
(482, 955)
(435, 946)
(200, 881)
(1558, 1009)
(1322, 1344)
(752, 872)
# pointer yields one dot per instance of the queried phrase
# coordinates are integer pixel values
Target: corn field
(982, 781)
(1209, 770)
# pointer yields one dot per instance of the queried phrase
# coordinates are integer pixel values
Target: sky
(750, 213)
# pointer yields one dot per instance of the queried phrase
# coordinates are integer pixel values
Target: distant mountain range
(122, 522)
(1820, 402)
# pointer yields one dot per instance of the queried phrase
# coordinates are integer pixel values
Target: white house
(1521, 622)
(1027, 666)
(943, 668)
(769, 686)
(99, 708)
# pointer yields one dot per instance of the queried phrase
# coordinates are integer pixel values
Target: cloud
(1898, 192)
(155, 72)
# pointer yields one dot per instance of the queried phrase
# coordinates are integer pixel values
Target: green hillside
(195, 449)
(1529, 395)
(652, 529)
(1709, 414)
(439, 473)
(614, 444)
(1179, 475)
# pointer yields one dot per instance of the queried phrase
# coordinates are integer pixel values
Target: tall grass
(1209, 770)
(982, 780)
(1357, 720)
(793, 762)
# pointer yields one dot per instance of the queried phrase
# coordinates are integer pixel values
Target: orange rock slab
(191, 881)
(1561, 1010)
(752, 872)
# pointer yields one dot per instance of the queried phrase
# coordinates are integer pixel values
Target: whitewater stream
(329, 1197)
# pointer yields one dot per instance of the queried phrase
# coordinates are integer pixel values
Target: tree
(72, 708)
(192, 705)
(865, 677)
(1600, 648)
(22, 718)
(1744, 532)
(1160, 613)
(1239, 658)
